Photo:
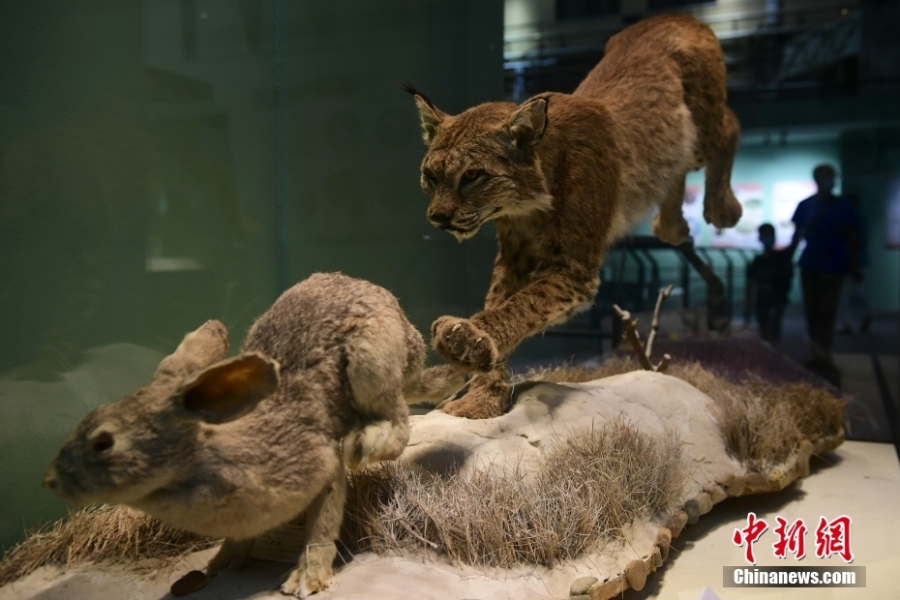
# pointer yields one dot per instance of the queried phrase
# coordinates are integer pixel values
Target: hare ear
(526, 125)
(207, 345)
(230, 389)
(429, 114)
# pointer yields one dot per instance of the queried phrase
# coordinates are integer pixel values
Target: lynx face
(482, 164)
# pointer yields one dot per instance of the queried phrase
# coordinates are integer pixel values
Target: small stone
(610, 588)
(704, 502)
(806, 448)
(664, 534)
(677, 522)
(692, 508)
(581, 586)
(756, 483)
(716, 493)
(636, 574)
(803, 466)
(663, 542)
(190, 583)
(737, 487)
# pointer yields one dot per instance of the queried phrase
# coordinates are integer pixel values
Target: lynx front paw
(463, 344)
(313, 573)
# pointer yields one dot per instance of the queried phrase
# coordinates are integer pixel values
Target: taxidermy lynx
(564, 175)
(234, 447)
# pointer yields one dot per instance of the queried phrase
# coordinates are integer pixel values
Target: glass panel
(152, 178)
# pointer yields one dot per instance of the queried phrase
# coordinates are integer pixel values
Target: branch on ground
(644, 350)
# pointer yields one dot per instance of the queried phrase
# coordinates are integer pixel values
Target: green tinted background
(144, 185)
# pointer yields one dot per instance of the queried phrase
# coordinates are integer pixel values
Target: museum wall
(871, 168)
(144, 187)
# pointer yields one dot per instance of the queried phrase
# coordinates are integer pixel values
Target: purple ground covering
(737, 357)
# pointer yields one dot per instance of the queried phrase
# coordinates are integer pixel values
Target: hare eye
(102, 442)
(472, 174)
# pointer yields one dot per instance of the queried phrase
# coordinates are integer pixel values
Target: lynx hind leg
(669, 224)
(322, 527)
(720, 207)
(377, 363)
(488, 396)
(435, 385)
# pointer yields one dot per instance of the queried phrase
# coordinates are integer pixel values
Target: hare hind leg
(322, 526)
(720, 207)
(376, 368)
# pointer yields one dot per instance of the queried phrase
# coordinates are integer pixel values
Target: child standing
(769, 280)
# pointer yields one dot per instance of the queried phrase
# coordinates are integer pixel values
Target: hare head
(157, 437)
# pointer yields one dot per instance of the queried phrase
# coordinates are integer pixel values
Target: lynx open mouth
(458, 230)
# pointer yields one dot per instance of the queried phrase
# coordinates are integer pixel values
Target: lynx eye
(102, 442)
(472, 174)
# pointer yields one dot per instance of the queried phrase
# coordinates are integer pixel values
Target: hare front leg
(322, 526)
(231, 555)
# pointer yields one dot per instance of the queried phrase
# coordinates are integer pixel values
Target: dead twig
(631, 335)
(654, 326)
(642, 351)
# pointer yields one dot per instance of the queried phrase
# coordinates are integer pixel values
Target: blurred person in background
(829, 225)
(854, 307)
(768, 285)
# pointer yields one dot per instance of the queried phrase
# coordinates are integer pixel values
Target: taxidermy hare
(234, 447)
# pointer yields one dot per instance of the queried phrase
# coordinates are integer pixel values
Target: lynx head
(483, 163)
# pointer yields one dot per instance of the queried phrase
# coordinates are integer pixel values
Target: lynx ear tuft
(527, 124)
(429, 114)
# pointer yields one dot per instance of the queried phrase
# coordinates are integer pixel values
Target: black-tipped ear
(527, 124)
(230, 389)
(429, 114)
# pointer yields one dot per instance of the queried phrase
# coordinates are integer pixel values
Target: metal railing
(753, 42)
(711, 279)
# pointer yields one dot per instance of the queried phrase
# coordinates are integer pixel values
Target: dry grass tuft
(567, 373)
(99, 534)
(762, 423)
(588, 489)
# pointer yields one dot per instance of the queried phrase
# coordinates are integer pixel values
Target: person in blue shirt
(829, 224)
(768, 285)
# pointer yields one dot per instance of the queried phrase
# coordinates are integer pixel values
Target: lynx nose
(440, 218)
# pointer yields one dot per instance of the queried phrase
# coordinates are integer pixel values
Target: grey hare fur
(234, 447)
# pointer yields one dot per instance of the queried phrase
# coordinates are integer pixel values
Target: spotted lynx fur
(564, 175)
